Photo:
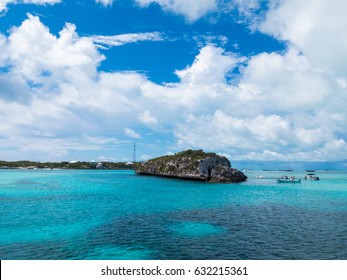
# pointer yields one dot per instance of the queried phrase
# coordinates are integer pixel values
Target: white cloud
(148, 119)
(202, 86)
(119, 40)
(52, 59)
(263, 138)
(192, 10)
(283, 106)
(209, 67)
(316, 28)
(234, 133)
(287, 81)
(50, 85)
(13, 89)
(105, 3)
(131, 133)
(4, 3)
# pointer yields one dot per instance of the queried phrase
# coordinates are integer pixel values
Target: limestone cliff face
(192, 165)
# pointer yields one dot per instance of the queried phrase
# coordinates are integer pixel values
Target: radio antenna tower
(134, 153)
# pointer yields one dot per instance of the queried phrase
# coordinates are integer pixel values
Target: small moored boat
(311, 177)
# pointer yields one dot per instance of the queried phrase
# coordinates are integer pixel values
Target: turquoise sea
(69, 214)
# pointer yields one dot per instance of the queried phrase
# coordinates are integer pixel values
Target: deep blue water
(47, 214)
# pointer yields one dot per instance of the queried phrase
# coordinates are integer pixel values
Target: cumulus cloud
(5, 3)
(316, 28)
(286, 105)
(192, 10)
(287, 81)
(247, 134)
(53, 59)
(202, 87)
(281, 107)
(209, 67)
(52, 86)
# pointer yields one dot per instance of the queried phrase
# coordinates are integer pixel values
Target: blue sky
(255, 80)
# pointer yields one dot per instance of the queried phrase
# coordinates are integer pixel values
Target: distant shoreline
(32, 165)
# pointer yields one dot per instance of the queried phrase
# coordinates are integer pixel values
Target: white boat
(311, 177)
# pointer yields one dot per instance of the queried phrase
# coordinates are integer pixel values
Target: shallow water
(56, 214)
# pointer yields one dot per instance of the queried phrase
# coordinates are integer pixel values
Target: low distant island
(192, 165)
(24, 164)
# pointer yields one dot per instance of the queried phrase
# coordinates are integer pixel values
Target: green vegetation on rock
(192, 165)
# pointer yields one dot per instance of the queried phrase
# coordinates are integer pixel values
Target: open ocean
(96, 214)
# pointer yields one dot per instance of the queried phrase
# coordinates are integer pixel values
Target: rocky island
(192, 165)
